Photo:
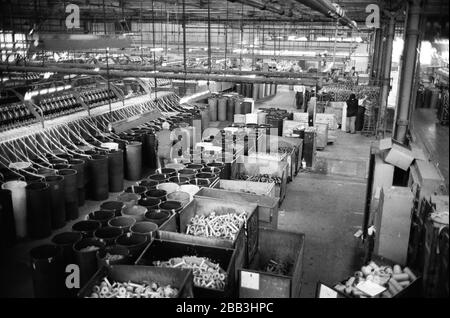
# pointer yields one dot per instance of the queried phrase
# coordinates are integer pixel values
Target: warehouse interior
(307, 149)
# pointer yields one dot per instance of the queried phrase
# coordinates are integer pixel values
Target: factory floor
(327, 205)
(434, 137)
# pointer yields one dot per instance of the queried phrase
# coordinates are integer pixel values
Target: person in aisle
(311, 108)
(352, 110)
(165, 139)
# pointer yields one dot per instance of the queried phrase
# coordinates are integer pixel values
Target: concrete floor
(325, 203)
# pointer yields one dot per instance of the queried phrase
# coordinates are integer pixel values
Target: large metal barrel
(80, 166)
(230, 109)
(133, 170)
(205, 118)
(237, 107)
(58, 206)
(39, 210)
(99, 187)
(255, 91)
(70, 193)
(212, 102)
(19, 204)
(47, 271)
(115, 171)
(85, 254)
(222, 109)
(7, 227)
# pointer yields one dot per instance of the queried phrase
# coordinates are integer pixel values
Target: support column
(386, 75)
(407, 70)
(381, 53)
(376, 52)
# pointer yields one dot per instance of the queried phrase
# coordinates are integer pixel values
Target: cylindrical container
(85, 254)
(168, 172)
(19, 204)
(79, 166)
(262, 118)
(267, 89)
(137, 212)
(230, 109)
(237, 106)
(7, 225)
(205, 118)
(134, 242)
(191, 189)
(70, 193)
(156, 194)
(179, 180)
(66, 240)
(122, 222)
(176, 166)
(115, 171)
(114, 206)
(195, 166)
(207, 176)
(255, 91)
(121, 254)
(248, 107)
(239, 88)
(187, 173)
(149, 184)
(159, 217)
(60, 166)
(179, 196)
(149, 203)
(39, 210)
(133, 162)
(102, 216)
(108, 235)
(148, 229)
(47, 271)
(169, 187)
(174, 206)
(136, 189)
(212, 170)
(86, 227)
(129, 199)
(212, 102)
(58, 206)
(160, 178)
(99, 185)
(46, 172)
(200, 182)
(222, 109)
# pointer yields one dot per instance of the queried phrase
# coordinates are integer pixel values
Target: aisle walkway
(327, 205)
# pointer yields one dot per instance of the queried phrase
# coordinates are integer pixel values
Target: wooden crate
(177, 278)
(322, 136)
(244, 242)
(258, 188)
(255, 167)
(267, 206)
(163, 250)
(256, 282)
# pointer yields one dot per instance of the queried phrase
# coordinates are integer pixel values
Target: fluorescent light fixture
(47, 75)
(97, 69)
(156, 49)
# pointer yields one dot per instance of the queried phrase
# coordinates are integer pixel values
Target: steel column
(386, 75)
(407, 70)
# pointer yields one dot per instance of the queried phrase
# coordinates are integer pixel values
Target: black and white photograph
(229, 155)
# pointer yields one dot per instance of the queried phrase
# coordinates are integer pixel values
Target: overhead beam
(195, 77)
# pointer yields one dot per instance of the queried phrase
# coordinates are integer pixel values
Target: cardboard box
(322, 136)
(429, 177)
(383, 176)
(393, 223)
(399, 156)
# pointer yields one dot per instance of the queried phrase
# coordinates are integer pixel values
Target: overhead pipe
(149, 68)
(183, 77)
(327, 8)
(260, 6)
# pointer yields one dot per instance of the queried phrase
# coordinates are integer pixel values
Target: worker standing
(352, 111)
(165, 139)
